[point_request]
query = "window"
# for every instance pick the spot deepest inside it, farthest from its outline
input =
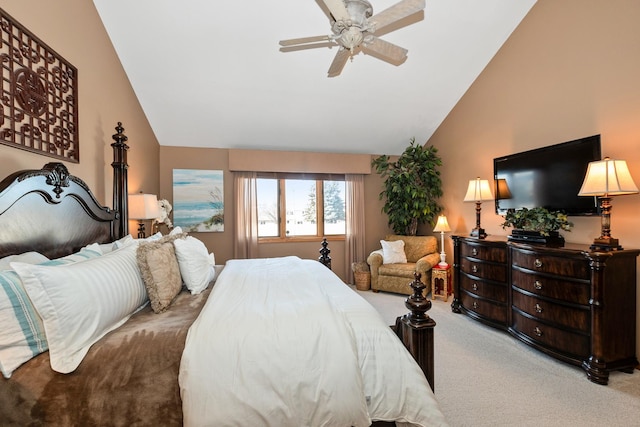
(297, 208)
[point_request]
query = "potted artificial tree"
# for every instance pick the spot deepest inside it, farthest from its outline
(412, 187)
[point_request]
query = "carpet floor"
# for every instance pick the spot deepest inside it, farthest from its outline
(485, 377)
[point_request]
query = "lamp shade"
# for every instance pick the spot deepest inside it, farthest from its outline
(442, 225)
(143, 206)
(478, 191)
(502, 189)
(608, 178)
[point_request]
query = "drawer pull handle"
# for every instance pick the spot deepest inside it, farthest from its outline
(537, 331)
(475, 286)
(537, 263)
(474, 251)
(538, 308)
(475, 304)
(474, 268)
(537, 285)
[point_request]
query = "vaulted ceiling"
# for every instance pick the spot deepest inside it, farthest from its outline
(210, 73)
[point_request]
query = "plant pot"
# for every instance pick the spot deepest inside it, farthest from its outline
(527, 236)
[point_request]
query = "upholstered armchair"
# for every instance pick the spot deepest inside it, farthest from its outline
(421, 255)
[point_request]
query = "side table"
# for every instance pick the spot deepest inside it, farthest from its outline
(441, 282)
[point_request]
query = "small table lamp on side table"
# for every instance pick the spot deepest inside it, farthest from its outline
(143, 207)
(441, 273)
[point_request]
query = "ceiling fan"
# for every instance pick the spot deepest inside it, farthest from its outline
(355, 29)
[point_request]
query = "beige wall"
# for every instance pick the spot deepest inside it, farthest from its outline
(222, 243)
(571, 69)
(74, 30)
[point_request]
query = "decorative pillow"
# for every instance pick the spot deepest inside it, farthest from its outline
(160, 273)
(123, 241)
(28, 257)
(129, 239)
(88, 252)
(393, 252)
(196, 264)
(81, 302)
(22, 334)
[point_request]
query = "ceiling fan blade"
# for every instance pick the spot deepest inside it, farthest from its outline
(338, 9)
(325, 10)
(339, 62)
(304, 40)
(395, 13)
(385, 51)
(308, 46)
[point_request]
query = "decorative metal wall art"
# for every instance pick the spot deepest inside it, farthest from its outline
(39, 95)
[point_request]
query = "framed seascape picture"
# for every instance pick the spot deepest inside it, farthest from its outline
(198, 200)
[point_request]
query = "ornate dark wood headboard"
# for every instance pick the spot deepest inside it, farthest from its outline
(55, 213)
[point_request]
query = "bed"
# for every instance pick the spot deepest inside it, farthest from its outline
(258, 347)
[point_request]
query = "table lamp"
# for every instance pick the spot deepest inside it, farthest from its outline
(442, 226)
(606, 178)
(478, 192)
(143, 207)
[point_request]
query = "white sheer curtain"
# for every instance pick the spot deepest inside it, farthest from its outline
(246, 199)
(354, 240)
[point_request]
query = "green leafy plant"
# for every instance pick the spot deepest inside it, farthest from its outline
(412, 187)
(537, 219)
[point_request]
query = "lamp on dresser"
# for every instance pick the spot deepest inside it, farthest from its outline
(606, 178)
(143, 207)
(478, 191)
(442, 226)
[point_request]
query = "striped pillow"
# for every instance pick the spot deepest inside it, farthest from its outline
(81, 302)
(22, 334)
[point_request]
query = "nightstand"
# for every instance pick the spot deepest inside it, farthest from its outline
(441, 282)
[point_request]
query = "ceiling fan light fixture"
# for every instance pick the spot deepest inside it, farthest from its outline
(351, 38)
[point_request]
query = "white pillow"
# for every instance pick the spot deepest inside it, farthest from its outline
(123, 241)
(393, 252)
(88, 252)
(128, 239)
(196, 263)
(79, 303)
(22, 333)
(28, 257)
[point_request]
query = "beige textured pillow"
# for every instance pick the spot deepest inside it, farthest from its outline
(160, 272)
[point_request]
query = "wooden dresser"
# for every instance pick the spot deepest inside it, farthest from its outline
(573, 304)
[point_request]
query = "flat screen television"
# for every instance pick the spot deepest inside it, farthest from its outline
(548, 177)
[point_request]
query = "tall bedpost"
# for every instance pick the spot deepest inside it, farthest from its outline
(120, 179)
(415, 329)
(324, 257)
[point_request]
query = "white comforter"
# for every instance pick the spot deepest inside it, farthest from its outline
(284, 342)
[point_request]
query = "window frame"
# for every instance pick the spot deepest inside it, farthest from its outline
(281, 194)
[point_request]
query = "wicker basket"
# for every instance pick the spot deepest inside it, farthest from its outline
(363, 280)
(361, 276)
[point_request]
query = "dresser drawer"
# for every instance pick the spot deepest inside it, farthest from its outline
(577, 292)
(494, 291)
(569, 317)
(487, 309)
(566, 342)
(497, 272)
(556, 265)
(487, 253)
